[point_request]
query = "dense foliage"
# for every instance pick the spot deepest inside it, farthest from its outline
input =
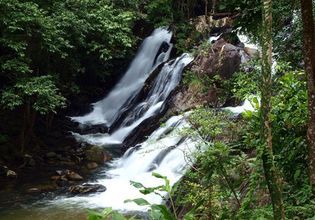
(52, 53)
(229, 171)
(47, 48)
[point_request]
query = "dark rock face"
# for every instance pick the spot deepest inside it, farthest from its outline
(87, 188)
(65, 177)
(92, 129)
(222, 58)
(97, 154)
(91, 165)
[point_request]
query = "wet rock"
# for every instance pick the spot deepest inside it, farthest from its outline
(61, 172)
(67, 163)
(3, 170)
(87, 188)
(218, 62)
(33, 190)
(222, 58)
(74, 176)
(29, 161)
(62, 182)
(11, 174)
(59, 157)
(251, 51)
(94, 129)
(97, 154)
(55, 177)
(91, 165)
(51, 155)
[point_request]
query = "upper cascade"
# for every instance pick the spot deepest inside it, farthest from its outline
(154, 50)
(167, 80)
(122, 105)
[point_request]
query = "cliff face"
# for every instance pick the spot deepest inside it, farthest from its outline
(212, 68)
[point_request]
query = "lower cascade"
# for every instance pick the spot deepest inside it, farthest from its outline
(166, 151)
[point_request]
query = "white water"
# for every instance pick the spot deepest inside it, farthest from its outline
(164, 152)
(247, 106)
(167, 80)
(108, 109)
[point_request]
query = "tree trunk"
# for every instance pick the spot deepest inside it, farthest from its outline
(214, 5)
(206, 8)
(309, 59)
(23, 129)
(270, 170)
(27, 131)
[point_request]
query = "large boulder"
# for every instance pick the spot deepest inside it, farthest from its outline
(215, 64)
(97, 154)
(87, 188)
(74, 176)
(91, 165)
(222, 58)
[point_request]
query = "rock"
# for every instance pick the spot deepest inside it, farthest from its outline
(59, 157)
(3, 170)
(74, 176)
(251, 51)
(62, 182)
(87, 188)
(32, 163)
(11, 174)
(33, 190)
(222, 58)
(51, 154)
(67, 163)
(61, 172)
(92, 165)
(97, 154)
(218, 63)
(55, 177)
(94, 129)
(29, 161)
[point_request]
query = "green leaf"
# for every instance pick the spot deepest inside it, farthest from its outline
(93, 215)
(167, 215)
(136, 184)
(139, 201)
(190, 215)
(117, 216)
(157, 175)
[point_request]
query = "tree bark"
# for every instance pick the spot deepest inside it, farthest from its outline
(309, 60)
(270, 169)
(23, 129)
(27, 130)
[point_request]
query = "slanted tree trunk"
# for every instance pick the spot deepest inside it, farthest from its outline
(309, 60)
(270, 169)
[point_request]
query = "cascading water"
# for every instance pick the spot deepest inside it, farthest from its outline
(168, 78)
(164, 152)
(148, 57)
(167, 151)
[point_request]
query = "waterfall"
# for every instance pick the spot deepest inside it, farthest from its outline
(121, 100)
(168, 78)
(154, 50)
(165, 151)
